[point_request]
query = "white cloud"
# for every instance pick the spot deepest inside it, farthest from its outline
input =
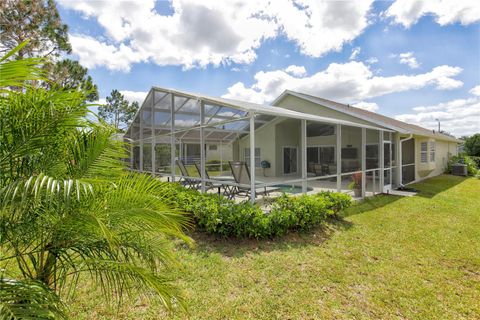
(408, 59)
(298, 71)
(408, 12)
(349, 83)
(93, 53)
(475, 90)
(355, 53)
(371, 60)
(209, 32)
(133, 96)
(459, 117)
(369, 106)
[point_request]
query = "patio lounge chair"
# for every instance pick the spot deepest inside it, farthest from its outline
(185, 181)
(208, 185)
(241, 174)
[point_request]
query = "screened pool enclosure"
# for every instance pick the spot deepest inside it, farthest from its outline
(282, 149)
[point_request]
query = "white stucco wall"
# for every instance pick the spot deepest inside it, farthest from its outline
(444, 150)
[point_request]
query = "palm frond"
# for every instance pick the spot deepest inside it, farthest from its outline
(93, 153)
(14, 73)
(28, 299)
(33, 129)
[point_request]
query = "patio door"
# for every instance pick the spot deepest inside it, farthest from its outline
(289, 160)
(387, 163)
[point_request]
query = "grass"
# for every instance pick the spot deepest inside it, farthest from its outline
(389, 258)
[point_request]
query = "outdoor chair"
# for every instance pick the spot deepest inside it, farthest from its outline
(241, 174)
(185, 180)
(208, 185)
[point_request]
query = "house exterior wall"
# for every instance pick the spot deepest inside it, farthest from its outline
(224, 152)
(444, 150)
(265, 138)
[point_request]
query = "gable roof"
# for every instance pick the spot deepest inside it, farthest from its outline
(372, 117)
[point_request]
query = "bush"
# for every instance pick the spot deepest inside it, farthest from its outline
(476, 160)
(217, 215)
(472, 167)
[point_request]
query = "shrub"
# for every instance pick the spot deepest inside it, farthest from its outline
(217, 215)
(462, 158)
(476, 160)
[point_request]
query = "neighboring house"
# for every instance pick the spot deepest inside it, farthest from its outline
(336, 140)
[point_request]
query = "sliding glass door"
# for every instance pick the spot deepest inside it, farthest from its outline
(290, 156)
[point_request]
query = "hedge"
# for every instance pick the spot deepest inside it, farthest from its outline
(220, 216)
(472, 167)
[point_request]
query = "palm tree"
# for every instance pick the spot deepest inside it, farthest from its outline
(68, 207)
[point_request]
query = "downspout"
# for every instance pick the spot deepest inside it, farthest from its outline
(400, 157)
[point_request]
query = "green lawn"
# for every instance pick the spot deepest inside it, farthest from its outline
(390, 258)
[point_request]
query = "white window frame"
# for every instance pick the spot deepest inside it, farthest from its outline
(424, 152)
(246, 153)
(432, 149)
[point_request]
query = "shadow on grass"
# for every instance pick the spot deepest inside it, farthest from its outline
(234, 247)
(433, 186)
(370, 203)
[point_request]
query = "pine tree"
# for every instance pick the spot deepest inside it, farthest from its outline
(39, 22)
(118, 111)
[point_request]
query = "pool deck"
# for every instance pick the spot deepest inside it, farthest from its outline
(314, 186)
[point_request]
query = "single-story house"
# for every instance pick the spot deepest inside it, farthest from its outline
(300, 140)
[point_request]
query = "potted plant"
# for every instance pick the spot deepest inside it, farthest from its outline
(356, 184)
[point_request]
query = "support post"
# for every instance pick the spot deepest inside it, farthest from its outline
(339, 157)
(221, 157)
(382, 161)
(303, 148)
(390, 160)
(202, 145)
(172, 137)
(399, 161)
(364, 161)
(252, 157)
(152, 135)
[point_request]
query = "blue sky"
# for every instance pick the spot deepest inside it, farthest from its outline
(416, 61)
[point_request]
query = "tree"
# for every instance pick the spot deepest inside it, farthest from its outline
(69, 208)
(69, 74)
(37, 21)
(472, 145)
(118, 111)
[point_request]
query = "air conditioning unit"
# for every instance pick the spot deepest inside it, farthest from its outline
(459, 169)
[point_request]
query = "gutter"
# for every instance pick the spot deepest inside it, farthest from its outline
(400, 157)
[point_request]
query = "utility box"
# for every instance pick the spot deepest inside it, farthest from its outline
(459, 169)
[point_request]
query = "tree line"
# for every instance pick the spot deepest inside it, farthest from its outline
(40, 23)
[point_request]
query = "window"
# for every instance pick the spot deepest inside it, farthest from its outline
(327, 155)
(424, 152)
(212, 147)
(257, 157)
(432, 151)
(320, 155)
(317, 130)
